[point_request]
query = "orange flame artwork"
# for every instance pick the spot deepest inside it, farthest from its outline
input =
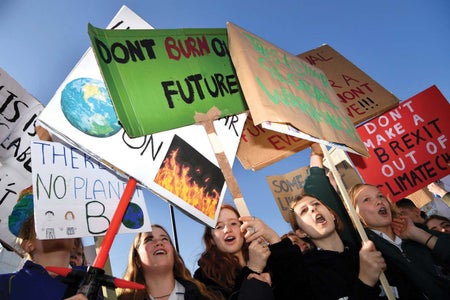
(189, 175)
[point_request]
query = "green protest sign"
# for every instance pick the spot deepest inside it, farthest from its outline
(159, 79)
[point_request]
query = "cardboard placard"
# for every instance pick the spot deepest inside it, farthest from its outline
(286, 187)
(345, 168)
(360, 95)
(421, 197)
(286, 94)
(260, 147)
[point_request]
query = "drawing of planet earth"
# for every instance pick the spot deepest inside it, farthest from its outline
(134, 216)
(86, 104)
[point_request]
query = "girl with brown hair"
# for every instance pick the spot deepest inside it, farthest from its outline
(231, 267)
(154, 262)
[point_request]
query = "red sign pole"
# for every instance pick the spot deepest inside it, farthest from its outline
(102, 255)
(94, 278)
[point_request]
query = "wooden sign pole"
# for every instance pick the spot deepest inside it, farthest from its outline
(207, 121)
(354, 216)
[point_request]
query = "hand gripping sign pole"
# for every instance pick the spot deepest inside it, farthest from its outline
(207, 121)
(354, 216)
(95, 277)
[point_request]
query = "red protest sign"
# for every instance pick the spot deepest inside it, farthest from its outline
(408, 145)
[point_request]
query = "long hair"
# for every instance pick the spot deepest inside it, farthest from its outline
(134, 271)
(78, 245)
(293, 219)
(217, 265)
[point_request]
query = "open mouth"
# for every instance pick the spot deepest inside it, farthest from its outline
(160, 252)
(320, 219)
(229, 238)
(383, 211)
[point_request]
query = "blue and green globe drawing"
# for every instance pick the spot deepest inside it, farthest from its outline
(86, 104)
(134, 216)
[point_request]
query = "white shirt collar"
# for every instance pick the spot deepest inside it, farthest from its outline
(397, 242)
(177, 292)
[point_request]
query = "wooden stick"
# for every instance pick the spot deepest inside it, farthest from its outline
(354, 216)
(207, 121)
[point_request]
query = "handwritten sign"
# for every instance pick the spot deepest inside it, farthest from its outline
(360, 95)
(286, 94)
(145, 157)
(286, 187)
(159, 79)
(260, 147)
(408, 145)
(76, 196)
(18, 115)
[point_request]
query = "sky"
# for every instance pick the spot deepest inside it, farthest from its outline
(404, 45)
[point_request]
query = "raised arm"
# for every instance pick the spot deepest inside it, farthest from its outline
(318, 184)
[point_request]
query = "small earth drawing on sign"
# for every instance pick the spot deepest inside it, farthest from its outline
(134, 216)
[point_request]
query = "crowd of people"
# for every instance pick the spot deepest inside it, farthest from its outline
(321, 257)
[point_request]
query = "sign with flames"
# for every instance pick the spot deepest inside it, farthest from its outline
(145, 158)
(187, 174)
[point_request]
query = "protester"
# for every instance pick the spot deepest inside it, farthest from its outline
(437, 189)
(154, 262)
(422, 257)
(406, 207)
(331, 270)
(296, 240)
(318, 184)
(77, 257)
(33, 281)
(231, 267)
(336, 267)
(438, 223)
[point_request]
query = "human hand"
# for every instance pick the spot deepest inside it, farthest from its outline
(264, 277)
(371, 264)
(255, 228)
(316, 149)
(403, 227)
(258, 252)
(43, 134)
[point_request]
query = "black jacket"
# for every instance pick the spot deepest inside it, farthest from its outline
(417, 265)
(191, 291)
(318, 184)
(244, 289)
(317, 274)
